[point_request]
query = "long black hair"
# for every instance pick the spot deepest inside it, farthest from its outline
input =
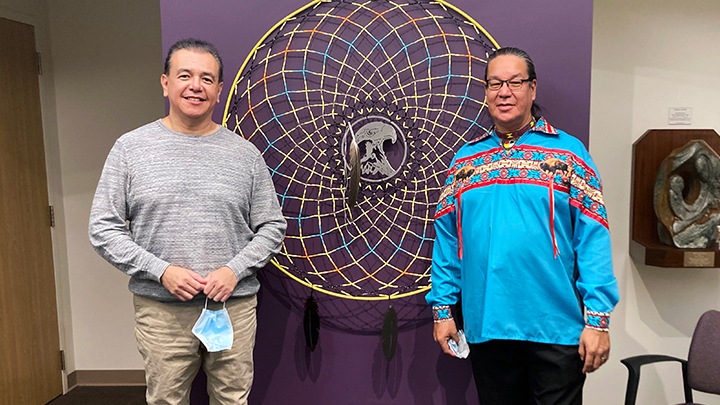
(535, 110)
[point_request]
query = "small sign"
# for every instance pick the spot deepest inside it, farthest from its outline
(699, 259)
(680, 116)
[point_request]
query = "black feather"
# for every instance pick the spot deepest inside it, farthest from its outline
(311, 323)
(390, 333)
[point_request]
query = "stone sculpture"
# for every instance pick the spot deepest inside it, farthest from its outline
(687, 196)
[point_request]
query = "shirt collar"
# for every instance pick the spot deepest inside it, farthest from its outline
(540, 126)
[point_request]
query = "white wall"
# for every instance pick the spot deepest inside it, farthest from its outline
(107, 59)
(648, 56)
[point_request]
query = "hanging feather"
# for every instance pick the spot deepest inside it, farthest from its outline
(390, 333)
(311, 323)
(353, 187)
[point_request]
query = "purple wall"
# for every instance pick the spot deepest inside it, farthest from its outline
(349, 367)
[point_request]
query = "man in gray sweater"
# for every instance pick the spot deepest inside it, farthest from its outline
(188, 209)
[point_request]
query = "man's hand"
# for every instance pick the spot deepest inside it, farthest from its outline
(181, 282)
(220, 284)
(444, 331)
(594, 349)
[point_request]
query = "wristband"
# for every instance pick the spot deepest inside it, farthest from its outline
(441, 313)
(598, 321)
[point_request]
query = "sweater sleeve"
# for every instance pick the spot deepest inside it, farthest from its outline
(108, 231)
(445, 273)
(591, 241)
(266, 222)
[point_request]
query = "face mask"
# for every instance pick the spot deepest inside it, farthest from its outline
(214, 329)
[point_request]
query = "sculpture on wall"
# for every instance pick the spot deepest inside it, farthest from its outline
(687, 196)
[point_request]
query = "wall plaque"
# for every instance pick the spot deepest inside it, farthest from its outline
(699, 259)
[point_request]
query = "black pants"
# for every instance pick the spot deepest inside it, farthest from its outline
(511, 372)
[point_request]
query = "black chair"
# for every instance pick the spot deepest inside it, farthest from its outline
(701, 371)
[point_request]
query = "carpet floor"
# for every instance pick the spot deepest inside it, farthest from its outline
(102, 396)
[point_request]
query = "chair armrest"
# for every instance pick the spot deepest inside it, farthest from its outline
(634, 364)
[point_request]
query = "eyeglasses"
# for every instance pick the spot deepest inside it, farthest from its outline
(513, 84)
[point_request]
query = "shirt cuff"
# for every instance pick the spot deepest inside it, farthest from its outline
(598, 321)
(441, 313)
(157, 268)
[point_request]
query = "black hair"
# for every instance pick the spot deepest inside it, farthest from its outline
(192, 43)
(535, 109)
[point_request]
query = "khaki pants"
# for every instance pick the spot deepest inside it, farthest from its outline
(173, 355)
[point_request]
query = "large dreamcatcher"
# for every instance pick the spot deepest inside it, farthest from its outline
(400, 83)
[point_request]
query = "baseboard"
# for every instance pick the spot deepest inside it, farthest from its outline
(105, 377)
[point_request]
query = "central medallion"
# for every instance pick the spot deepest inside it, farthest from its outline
(382, 147)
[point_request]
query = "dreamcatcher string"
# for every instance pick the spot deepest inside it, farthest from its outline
(404, 79)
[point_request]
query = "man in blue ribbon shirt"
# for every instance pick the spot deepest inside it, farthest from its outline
(523, 240)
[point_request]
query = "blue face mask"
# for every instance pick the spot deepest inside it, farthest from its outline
(214, 329)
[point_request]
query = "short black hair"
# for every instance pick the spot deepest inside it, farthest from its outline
(192, 43)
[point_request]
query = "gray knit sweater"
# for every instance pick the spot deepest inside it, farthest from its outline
(198, 202)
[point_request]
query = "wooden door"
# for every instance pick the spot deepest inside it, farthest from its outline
(29, 342)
